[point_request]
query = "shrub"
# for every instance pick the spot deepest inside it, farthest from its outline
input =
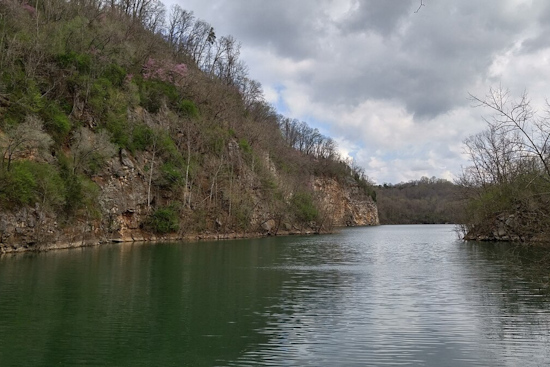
(164, 220)
(79, 191)
(117, 126)
(34, 101)
(49, 185)
(57, 123)
(73, 192)
(304, 208)
(153, 94)
(171, 175)
(216, 139)
(99, 94)
(188, 109)
(245, 147)
(167, 147)
(115, 73)
(18, 186)
(30, 182)
(141, 138)
(80, 62)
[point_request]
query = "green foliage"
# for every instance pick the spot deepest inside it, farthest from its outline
(115, 73)
(90, 194)
(154, 93)
(99, 95)
(141, 139)
(81, 62)
(164, 220)
(216, 139)
(171, 175)
(268, 182)
(73, 192)
(30, 182)
(117, 126)
(244, 146)
(366, 188)
(188, 109)
(57, 123)
(303, 207)
(71, 35)
(35, 102)
(167, 147)
(49, 184)
(80, 192)
(94, 163)
(497, 199)
(18, 186)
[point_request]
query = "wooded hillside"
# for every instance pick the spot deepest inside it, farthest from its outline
(426, 201)
(84, 84)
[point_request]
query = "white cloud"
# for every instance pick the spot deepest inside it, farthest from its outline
(390, 86)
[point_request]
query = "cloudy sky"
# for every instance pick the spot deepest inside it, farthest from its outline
(389, 85)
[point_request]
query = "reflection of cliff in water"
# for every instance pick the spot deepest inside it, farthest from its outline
(136, 305)
(386, 295)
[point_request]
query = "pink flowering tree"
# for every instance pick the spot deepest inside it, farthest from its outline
(31, 10)
(164, 70)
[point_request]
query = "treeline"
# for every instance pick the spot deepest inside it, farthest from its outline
(84, 81)
(425, 201)
(307, 140)
(508, 184)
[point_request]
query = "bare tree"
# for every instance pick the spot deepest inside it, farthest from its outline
(508, 184)
(180, 24)
(517, 121)
(23, 139)
(90, 147)
(494, 156)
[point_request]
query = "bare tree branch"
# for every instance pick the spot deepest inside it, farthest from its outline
(421, 5)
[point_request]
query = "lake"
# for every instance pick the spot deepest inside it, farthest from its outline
(373, 296)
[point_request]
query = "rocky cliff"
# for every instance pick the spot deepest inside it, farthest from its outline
(123, 199)
(345, 204)
(517, 227)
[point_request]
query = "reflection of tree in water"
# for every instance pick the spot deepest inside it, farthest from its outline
(525, 265)
(511, 284)
(132, 305)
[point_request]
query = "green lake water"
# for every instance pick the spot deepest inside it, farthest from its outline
(375, 296)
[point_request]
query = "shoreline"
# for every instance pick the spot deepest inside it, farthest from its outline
(152, 239)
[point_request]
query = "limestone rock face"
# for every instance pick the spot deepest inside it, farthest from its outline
(344, 204)
(124, 198)
(37, 229)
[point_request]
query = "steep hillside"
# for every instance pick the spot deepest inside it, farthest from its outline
(118, 123)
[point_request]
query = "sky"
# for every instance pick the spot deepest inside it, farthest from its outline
(390, 85)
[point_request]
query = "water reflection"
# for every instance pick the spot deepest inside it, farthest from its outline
(402, 298)
(399, 295)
